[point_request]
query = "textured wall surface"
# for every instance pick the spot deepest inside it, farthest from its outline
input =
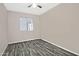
(61, 26)
(15, 35)
(3, 29)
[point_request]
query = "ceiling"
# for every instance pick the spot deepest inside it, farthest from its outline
(23, 7)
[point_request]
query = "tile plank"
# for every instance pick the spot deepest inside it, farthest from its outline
(37, 47)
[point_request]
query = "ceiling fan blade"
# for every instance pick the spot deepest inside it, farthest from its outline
(39, 6)
(30, 5)
(36, 5)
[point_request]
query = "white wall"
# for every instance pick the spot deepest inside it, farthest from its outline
(3, 29)
(15, 35)
(61, 26)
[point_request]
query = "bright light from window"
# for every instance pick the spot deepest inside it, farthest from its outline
(26, 24)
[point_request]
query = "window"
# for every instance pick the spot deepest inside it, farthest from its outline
(26, 24)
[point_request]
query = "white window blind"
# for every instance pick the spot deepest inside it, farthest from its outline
(26, 24)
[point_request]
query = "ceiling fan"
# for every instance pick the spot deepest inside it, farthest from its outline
(34, 5)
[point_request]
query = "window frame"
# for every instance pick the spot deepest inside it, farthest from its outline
(25, 27)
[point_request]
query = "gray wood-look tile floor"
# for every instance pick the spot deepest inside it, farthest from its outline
(37, 47)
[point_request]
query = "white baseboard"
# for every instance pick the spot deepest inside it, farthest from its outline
(22, 40)
(3, 51)
(46, 41)
(61, 47)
